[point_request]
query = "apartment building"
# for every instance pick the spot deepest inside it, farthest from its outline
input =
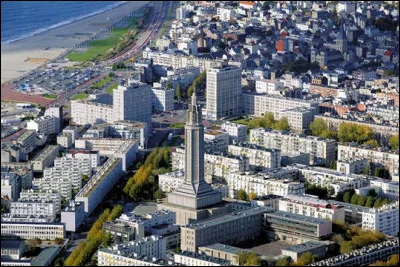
(163, 99)
(259, 157)
(385, 188)
(24, 208)
(328, 177)
(149, 246)
(377, 157)
(71, 173)
(223, 92)
(384, 219)
(168, 182)
(73, 215)
(188, 258)
(237, 132)
(228, 229)
(269, 87)
(259, 104)
(296, 228)
(84, 164)
(216, 166)
(64, 140)
(352, 213)
(42, 231)
(28, 141)
(45, 125)
(42, 196)
(312, 207)
(322, 151)
(94, 191)
(299, 118)
(45, 158)
(57, 112)
(215, 141)
(352, 166)
(54, 180)
(92, 156)
(264, 184)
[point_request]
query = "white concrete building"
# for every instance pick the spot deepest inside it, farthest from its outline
(264, 184)
(44, 124)
(64, 140)
(299, 118)
(55, 181)
(163, 99)
(42, 196)
(33, 209)
(83, 164)
(187, 258)
(57, 112)
(225, 14)
(73, 215)
(328, 177)
(384, 219)
(259, 157)
(259, 104)
(270, 87)
(312, 207)
(92, 156)
(322, 151)
(388, 189)
(45, 158)
(377, 157)
(33, 230)
(355, 166)
(237, 132)
(168, 182)
(223, 92)
(215, 141)
(72, 173)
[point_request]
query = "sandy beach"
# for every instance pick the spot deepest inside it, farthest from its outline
(50, 44)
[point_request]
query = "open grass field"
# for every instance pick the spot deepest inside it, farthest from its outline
(101, 83)
(111, 88)
(79, 96)
(50, 96)
(99, 47)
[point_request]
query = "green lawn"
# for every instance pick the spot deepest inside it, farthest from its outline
(79, 96)
(101, 83)
(99, 47)
(242, 121)
(178, 125)
(111, 88)
(50, 96)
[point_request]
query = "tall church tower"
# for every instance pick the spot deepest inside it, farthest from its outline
(194, 193)
(341, 40)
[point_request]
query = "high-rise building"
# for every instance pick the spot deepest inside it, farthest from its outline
(133, 102)
(194, 196)
(223, 92)
(57, 112)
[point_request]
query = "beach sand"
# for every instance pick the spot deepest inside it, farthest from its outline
(14, 56)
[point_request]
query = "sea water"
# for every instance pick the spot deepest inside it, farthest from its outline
(23, 19)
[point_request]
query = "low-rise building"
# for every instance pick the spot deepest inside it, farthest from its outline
(13, 249)
(42, 231)
(215, 141)
(296, 228)
(224, 252)
(45, 125)
(317, 248)
(228, 229)
(33, 209)
(64, 140)
(385, 188)
(188, 258)
(349, 166)
(312, 207)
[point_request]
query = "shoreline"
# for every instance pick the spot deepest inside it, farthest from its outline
(50, 44)
(63, 23)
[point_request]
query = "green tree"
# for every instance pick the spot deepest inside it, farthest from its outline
(282, 124)
(370, 202)
(361, 201)
(283, 262)
(366, 170)
(178, 92)
(59, 241)
(249, 259)
(58, 262)
(242, 195)
(331, 190)
(354, 199)
(190, 91)
(318, 126)
(394, 142)
(168, 85)
(371, 142)
(346, 197)
(378, 203)
(111, 74)
(107, 241)
(159, 194)
(333, 165)
(305, 259)
(269, 120)
(385, 201)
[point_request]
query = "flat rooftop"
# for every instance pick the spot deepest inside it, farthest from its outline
(296, 217)
(305, 246)
(224, 248)
(45, 152)
(226, 218)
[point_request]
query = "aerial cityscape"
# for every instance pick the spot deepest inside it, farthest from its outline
(200, 133)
